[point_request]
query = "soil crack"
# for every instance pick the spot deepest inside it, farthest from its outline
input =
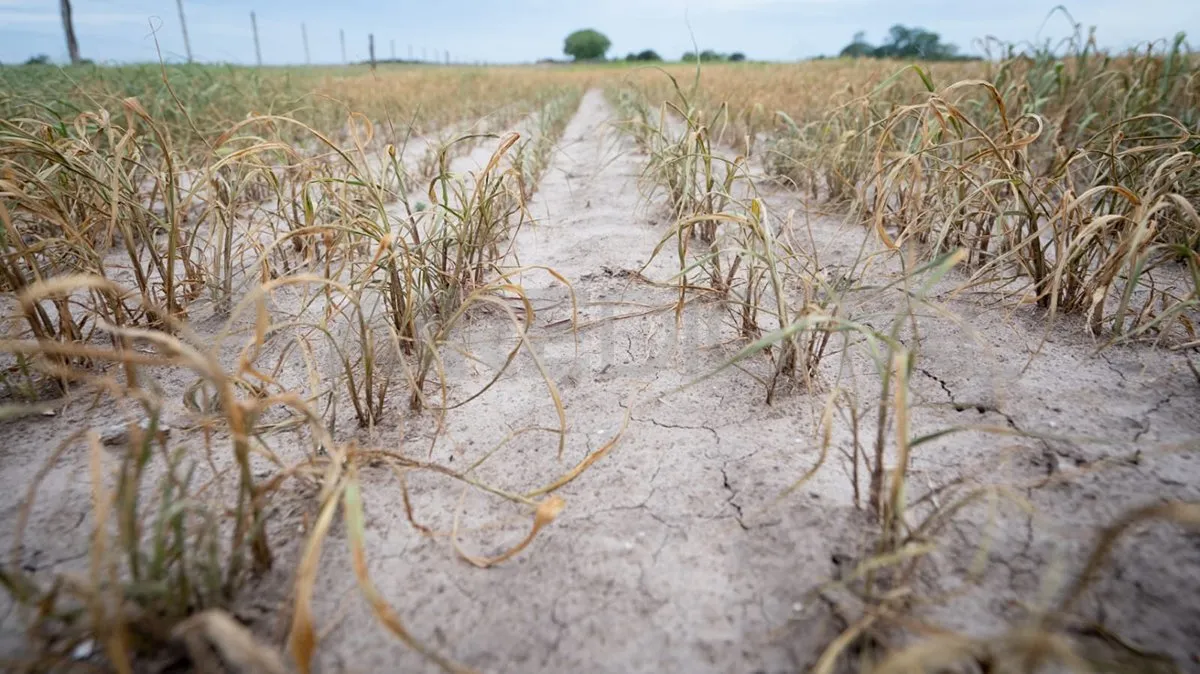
(958, 407)
(1116, 370)
(1144, 424)
(1049, 455)
(679, 427)
(941, 382)
(731, 501)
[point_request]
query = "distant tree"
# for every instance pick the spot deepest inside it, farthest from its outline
(709, 56)
(586, 45)
(69, 29)
(737, 56)
(631, 56)
(859, 47)
(904, 42)
(39, 60)
(649, 55)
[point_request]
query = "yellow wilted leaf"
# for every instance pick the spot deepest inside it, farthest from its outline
(586, 463)
(235, 643)
(546, 513)
(505, 145)
(355, 532)
(302, 640)
(942, 652)
(262, 320)
(133, 105)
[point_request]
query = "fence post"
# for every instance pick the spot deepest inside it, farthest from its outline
(342, 35)
(304, 36)
(187, 44)
(69, 29)
(371, 48)
(257, 48)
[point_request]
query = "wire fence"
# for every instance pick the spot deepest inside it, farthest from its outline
(426, 55)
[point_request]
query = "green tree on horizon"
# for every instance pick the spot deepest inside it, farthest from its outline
(586, 45)
(710, 56)
(904, 42)
(646, 55)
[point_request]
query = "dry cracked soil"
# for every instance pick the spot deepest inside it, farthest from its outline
(675, 552)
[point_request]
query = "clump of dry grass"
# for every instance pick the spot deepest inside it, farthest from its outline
(164, 543)
(779, 299)
(1068, 175)
(1087, 226)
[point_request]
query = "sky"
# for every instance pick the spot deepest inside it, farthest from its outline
(525, 30)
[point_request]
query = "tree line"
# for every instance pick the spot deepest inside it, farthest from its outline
(592, 45)
(903, 42)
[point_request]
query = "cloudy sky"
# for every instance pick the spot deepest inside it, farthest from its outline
(525, 30)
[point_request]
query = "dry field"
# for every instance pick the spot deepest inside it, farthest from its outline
(840, 366)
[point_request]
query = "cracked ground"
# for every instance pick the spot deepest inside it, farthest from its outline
(690, 546)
